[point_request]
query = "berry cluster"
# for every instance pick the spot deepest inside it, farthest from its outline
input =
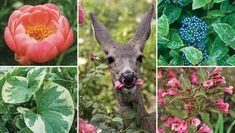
(193, 31)
(177, 2)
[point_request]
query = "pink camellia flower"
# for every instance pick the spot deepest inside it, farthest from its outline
(205, 129)
(217, 69)
(82, 14)
(85, 127)
(209, 83)
(229, 90)
(194, 79)
(174, 83)
(159, 130)
(38, 33)
(195, 122)
(223, 107)
(188, 106)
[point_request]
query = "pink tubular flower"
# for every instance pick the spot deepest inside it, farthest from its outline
(160, 99)
(159, 130)
(180, 127)
(194, 79)
(170, 120)
(188, 106)
(171, 74)
(217, 69)
(38, 33)
(82, 14)
(205, 129)
(229, 90)
(221, 81)
(223, 107)
(85, 127)
(209, 83)
(195, 122)
(174, 83)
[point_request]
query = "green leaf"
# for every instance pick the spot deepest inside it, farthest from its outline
(231, 127)
(219, 124)
(224, 31)
(192, 54)
(15, 90)
(129, 114)
(98, 118)
(55, 110)
(218, 50)
(117, 123)
(217, 1)
(25, 130)
(231, 61)
(20, 89)
(175, 42)
(226, 7)
(163, 26)
(199, 3)
(215, 13)
(177, 113)
(205, 118)
(172, 13)
(3, 129)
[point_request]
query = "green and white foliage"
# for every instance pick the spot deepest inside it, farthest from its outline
(41, 105)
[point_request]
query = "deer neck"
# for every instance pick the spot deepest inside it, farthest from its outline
(132, 100)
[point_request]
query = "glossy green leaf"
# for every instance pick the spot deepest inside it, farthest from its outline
(175, 42)
(224, 31)
(163, 26)
(200, 3)
(231, 61)
(192, 54)
(172, 12)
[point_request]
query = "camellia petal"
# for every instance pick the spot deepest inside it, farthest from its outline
(34, 39)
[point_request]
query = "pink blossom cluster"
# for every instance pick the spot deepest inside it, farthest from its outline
(181, 126)
(85, 127)
(120, 85)
(187, 89)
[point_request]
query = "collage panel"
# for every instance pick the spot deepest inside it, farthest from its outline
(196, 99)
(39, 32)
(116, 94)
(196, 32)
(38, 99)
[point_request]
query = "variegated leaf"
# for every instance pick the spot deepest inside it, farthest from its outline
(20, 89)
(55, 110)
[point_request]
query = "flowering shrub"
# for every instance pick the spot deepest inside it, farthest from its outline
(39, 100)
(196, 32)
(189, 97)
(29, 39)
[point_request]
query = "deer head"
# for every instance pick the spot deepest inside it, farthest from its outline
(124, 59)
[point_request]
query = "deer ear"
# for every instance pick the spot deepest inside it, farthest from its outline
(143, 32)
(101, 34)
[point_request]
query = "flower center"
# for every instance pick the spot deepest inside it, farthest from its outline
(39, 32)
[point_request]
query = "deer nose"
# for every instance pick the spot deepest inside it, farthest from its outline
(128, 77)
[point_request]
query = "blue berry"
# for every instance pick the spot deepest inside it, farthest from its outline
(193, 30)
(177, 2)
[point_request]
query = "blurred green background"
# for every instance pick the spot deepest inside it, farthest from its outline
(121, 18)
(69, 9)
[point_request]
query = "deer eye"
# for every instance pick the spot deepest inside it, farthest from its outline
(140, 58)
(110, 59)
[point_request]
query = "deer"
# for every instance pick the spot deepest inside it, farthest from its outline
(124, 61)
